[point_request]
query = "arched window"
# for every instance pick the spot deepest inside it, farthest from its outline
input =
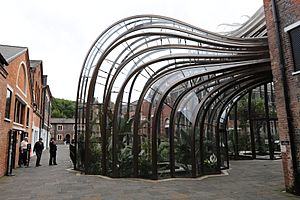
(22, 78)
(37, 95)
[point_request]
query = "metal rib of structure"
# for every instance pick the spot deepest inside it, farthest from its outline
(154, 92)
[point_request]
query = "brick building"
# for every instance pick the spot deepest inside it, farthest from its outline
(62, 129)
(3, 137)
(19, 111)
(42, 102)
(283, 26)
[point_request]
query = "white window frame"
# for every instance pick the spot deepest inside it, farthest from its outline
(62, 127)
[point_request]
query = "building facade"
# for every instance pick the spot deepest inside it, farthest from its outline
(62, 130)
(42, 103)
(3, 137)
(19, 114)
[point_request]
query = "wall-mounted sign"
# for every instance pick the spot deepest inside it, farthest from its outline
(285, 142)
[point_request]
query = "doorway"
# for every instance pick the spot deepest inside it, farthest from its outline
(11, 152)
(68, 139)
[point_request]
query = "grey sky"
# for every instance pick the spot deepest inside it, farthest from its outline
(60, 32)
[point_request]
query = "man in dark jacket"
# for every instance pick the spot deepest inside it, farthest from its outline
(38, 149)
(53, 149)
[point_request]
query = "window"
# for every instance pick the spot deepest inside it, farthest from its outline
(19, 111)
(59, 137)
(59, 127)
(8, 103)
(294, 33)
(27, 116)
(46, 103)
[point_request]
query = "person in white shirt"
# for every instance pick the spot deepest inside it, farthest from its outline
(24, 151)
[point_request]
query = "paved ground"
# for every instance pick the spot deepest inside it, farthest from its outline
(246, 180)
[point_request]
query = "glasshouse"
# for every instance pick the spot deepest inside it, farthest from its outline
(159, 98)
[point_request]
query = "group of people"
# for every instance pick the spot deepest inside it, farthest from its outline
(38, 149)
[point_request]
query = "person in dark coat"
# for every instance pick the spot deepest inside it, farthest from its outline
(53, 149)
(38, 149)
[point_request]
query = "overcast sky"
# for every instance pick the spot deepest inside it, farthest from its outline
(60, 32)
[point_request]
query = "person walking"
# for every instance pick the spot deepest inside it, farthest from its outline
(53, 149)
(38, 149)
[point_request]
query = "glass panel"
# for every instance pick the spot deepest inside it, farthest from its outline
(244, 143)
(223, 150)
(145, 159)
(182, 146)
(108, 141)
(261, 139)
(125, 139)
(27, 116)
(94, 141)
(295, 42)
(8, 103)
(210, 151)
(275, 135)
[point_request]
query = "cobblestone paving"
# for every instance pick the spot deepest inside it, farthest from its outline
(259, 179)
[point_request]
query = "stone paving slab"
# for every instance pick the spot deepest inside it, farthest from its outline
(247, 180)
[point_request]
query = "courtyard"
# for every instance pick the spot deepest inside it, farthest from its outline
(246, 179)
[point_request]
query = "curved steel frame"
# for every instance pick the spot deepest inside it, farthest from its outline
(154, 57)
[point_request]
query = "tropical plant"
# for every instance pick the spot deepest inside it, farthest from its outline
(94, 164)
(163, 150)
(125, 161)
(183, 150)
(145, 165)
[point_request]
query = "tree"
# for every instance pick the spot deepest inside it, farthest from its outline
(62, 108)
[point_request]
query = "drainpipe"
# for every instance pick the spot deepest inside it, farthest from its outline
(40, 128)
(43, 113)
(296, 188)
(49, 115)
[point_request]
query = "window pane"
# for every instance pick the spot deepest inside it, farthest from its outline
(8, 102)
(59, 127)
(19, 112)
(295, 42)
(27, 117)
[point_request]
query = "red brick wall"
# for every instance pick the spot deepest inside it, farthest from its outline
(37, 84)
(165, 114)
(289, 13)
(5, 125)
(3, 136)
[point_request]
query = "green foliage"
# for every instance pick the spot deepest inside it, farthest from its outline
(94, 165)
(126, 161)
(62, 108)
(163, 150)
(145, 165)
(257, 108)
(183, 149)
(257, 111)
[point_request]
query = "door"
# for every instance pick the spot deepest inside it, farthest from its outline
(11, 151)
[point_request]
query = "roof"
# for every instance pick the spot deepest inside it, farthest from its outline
(62, 121)
(35, 63)
(11, 52)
